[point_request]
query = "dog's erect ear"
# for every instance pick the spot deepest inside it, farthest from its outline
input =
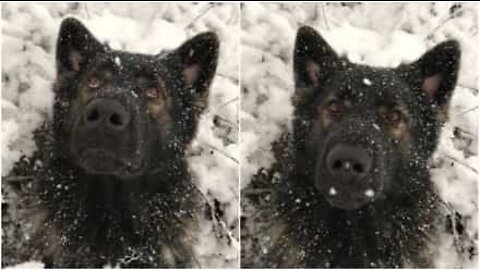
(76, 46)
(313, 58)
(436, 72)
(198, 58)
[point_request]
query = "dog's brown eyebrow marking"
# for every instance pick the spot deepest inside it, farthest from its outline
(323, 120)
(400, 132)
(145, 81)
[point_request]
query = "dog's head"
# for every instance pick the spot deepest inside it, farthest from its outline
(360, 127)
(118, 113)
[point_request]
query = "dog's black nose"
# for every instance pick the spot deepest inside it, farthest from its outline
(106, 113)
(348, 162)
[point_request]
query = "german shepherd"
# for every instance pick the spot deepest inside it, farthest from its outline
(114, 188)
(350, 187)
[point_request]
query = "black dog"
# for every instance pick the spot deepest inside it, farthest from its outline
(351, 186)
(114, 188)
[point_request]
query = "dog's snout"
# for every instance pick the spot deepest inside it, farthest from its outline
(345, 162)
(106, 113)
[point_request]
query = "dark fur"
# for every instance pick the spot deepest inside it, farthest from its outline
(303, 225)
(89, 215)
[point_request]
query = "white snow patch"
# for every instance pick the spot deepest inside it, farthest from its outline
(369, 193)
(28, 265)
(118, 62)
(367, 81)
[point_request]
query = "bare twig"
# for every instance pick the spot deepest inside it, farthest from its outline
(464, 131)
(152, 19)
(227, 77)
(469, 110)
(215, 217)
(18, 178)
(203, 11)
(213, 111)
(226, 121)
(222, 152)
(462, 163)
(85, 5)
(197, 262)
(255, 191)
(324, 15)
(473, 89)
(228, 102)
(442, 23)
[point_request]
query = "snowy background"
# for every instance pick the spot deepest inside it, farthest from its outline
(374, 34)
(29, 32)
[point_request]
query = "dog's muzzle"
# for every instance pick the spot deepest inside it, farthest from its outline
(346, 177)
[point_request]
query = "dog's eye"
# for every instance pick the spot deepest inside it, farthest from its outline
(392, 117)
(152, 92)
(94, 83)
(334, 106)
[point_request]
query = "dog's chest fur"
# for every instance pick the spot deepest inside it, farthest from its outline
(303, 230)
(81, 221)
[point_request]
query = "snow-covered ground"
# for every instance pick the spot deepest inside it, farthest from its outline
(29, 32)
(373, 34)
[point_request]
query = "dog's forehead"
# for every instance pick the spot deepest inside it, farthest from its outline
(128, 64)
(368, 85)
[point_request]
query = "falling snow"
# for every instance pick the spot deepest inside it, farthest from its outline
(117, 61)
(367, 81)
(369, 193)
